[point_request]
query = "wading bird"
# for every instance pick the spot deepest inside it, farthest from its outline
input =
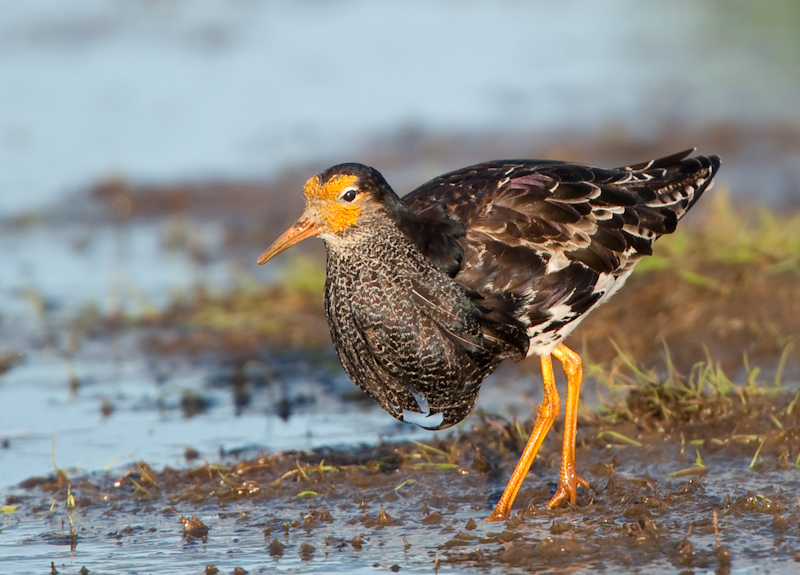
(427, 294)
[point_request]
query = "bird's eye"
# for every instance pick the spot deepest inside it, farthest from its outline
(349, 195)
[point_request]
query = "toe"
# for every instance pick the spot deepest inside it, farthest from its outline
(567, 490)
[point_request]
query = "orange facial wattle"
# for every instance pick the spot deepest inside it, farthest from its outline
(324, 199)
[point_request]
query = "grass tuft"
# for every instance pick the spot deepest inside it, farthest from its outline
(635, 393)
(728, 235)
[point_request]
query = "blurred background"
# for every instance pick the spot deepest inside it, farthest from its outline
(151, 149)
(168, 90)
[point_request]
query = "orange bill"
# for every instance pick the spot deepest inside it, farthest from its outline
(304, 228)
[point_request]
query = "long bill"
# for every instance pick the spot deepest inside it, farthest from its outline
(304, 228)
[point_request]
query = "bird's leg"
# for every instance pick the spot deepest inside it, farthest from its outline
(568, 480)
(545, 416)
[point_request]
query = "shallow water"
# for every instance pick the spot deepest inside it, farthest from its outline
(187, 89)
(634, 521)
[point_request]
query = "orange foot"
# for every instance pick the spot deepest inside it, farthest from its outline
(499, 514)
(567, 489)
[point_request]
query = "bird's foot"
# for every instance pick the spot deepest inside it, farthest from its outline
(567, 489)
(500, 513)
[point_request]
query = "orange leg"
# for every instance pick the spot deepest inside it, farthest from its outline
(568, 480)
(545, 416)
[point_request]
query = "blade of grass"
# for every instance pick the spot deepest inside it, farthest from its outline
(755, 457)
(782, 364)
(618, 436)
(430, 448)
(404, 483)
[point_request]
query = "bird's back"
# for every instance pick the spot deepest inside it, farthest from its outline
(544, 242)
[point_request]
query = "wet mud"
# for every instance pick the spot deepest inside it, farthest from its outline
(708, 492)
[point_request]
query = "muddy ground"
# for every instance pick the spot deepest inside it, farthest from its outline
(717, 489)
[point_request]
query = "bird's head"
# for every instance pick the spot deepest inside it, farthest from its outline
(336, 201)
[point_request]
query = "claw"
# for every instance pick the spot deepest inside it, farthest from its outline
(567, 490)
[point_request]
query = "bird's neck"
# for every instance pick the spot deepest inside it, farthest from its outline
(362, 237)
(396, 226)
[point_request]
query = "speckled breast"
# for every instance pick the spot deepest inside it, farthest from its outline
(392, 347)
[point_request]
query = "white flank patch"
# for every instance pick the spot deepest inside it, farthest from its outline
(544, 343)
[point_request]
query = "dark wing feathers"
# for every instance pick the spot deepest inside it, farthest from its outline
(574, 192)
(542, 202)
(596, 257)
(436, 236)
(484, 332)
(456, 328)
(609, 238)
(615, 196)
(665, 162)
(516, 216)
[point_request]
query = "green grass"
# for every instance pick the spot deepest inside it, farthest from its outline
(670, 396)
(290, 312)
(727, 235)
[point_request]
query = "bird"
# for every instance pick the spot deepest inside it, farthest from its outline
(427, 294)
